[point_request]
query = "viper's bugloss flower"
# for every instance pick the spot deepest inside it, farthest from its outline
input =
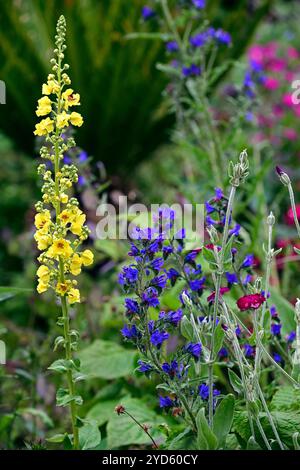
(248, 261)
(172, 46)
(147, 12)
(235, 230)
(276, 329)
(159, 281)
(172, 317)
(158, 337)
(291, 337)
(203, 391)
(200, 4)
(157, 264)
(60, 224)
(132, 307)
(277, 357)
(144, 366)
(194, 349)
(231, 278)
(222, 36)
(250, 302)
(129, 275)
(223, 353)
(171, 369)
(150, 297)
(197, 284)
(130, 332)
(166, 402)
(249, 350)
(191, 71)
(273, 311)
(173, 275)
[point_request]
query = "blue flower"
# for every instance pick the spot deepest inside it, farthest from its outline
(130, 332)
(157, 264)
(200, 4)
(166, 402)
(147, 12)
(170, 369)
(150, 297)
(277, 357)
(222, 37)
(131, 306)
(248, 261)
(203, 391)
(273, 311)
(249, 350)
(181, 234)
(159, 281)
(144, 366)
(197, 284)
(129, 275)
(291, 337)
(190, 257)
(223, 353)
(158, 337)
(231, 278)
(209, 208)
(198, 40)
(172, 317)
(81, 180)
(67, 160)
(173, 275)
(218, 194)
(83, 156)
(276, 329)
(194, 349)
(193, 70)
(247, 279)
(210, 221)
(235, 230)
(134, 251)
(172, 46)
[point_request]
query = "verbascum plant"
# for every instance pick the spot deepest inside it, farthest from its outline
(59, 222)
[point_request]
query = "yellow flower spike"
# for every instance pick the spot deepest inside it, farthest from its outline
(44, 127)
(60, 247)
(44, 106)
(70, 98)
(76, 119)
(87, 257)
(62, 120)
(73, 295)
(64, 198)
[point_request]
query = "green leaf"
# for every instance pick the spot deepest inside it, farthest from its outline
(296, 441)
(107, 360)
(38, 413)
(89, 436)
(63, 365)
(63, 398)
(9, 292)
(57, 438)
(252, 444)
(285, 310)
(286, 398)
(206, 439)
(102, 411)
(235, 381)
(223, 418)
(209, 256)
(187, 329)
(122, 431)
(183, 441)
(218, 338)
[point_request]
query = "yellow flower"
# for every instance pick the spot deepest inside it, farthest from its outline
(87, 257)
(60, 247)
(44, 274)
(75, 266)
(42, 221)
(76, 119)
(62, 288)
(42, 287)
(70, 98)
(77, 223)
(44, 106)
(50, 87)
(62, 120)
(64, 198)
(44, 127)
(73, 295)
(66, 216)
(43, 240)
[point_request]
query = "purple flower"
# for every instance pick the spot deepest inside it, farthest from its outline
(130, 332)
(249, 350)
(181, 234)
(157, 264)
(190, 257)
(167, 250)
(147, 12)
(203, 391)
(291, 337)
(81, 180)
(223, 353)
(158, 337)
(222, 36)
(172, 317)
(231, 278)
(200, 4)
(276, 329)
(129, 275)
(210, 221)
(247, 279)
(134, 251)
(166, 402)
(248, 261)
(197, 284)
(235, 230)
(170, 369)
(150, 297)
(199, 39)
(144, 367)
(192, 71)
(173, 275)
(273, 311)
(194, 349)
(172, 46)
(209, 208)
(131, 306)
(159, 281)
(238, 331)
(67, 160)
(277, 357)
(218, 194)
(83, 156)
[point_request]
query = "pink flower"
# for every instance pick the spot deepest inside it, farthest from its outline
(289, 218)
(256, 53)
(271, 83)
(292, 53)
(290, 134)
(276, 65)
(250, 302)
(287, 100)
(211, 297)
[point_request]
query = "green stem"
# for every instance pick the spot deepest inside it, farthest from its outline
(292, 198)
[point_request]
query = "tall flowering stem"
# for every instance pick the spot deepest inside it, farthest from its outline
(237, 174)
(59, 222)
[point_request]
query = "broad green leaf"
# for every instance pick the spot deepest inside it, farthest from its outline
(187, 329)
(89, 436)
(206, 439)
(107, 360)
(223, 418)
(102, 411)
(57, 438)
(252, 444)
(122, 431)
(183, 441)
(235, 381)
(63, 398)
(286, 398)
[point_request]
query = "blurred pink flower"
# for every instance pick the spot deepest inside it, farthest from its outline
(276, 65)
(271, 83)
(290, 134)
(287, 100)
(293, 53)
(289, 215)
